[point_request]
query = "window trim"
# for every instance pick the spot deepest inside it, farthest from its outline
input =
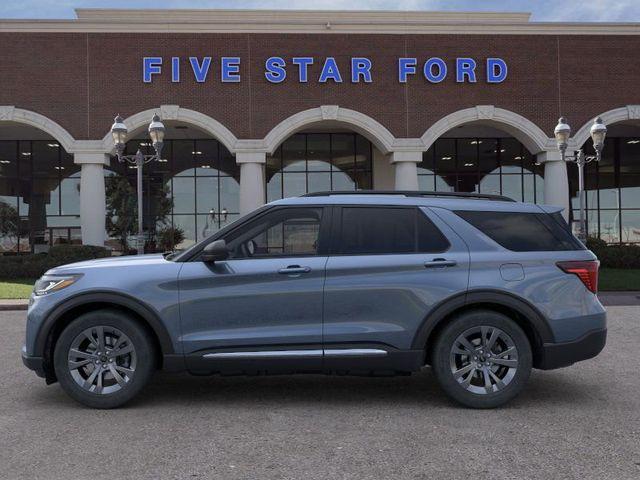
(336, 230)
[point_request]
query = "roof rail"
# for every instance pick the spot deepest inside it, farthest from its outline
(412, 193)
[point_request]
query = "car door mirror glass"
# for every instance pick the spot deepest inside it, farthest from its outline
(215, 251)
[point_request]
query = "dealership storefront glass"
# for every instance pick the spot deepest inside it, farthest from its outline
(500, 166)
(313, 162)
(199, 177)
(39, 196)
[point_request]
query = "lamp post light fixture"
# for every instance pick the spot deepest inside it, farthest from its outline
(562, 133)
(156, 132)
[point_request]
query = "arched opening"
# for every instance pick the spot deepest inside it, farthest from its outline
(39, 190)
(476, 157)
(190, 194)
(320, 158)
(612, 186)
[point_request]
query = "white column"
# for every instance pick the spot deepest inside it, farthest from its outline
(92, 197)
(406, 166)
(252, 187)
(556, 182)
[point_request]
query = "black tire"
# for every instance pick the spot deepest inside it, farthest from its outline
(143, 348)
(443, 361)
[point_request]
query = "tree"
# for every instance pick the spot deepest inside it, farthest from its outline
(9, 221)
(122, 209)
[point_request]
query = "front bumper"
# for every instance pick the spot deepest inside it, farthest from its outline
(33, 363)
(558, 355)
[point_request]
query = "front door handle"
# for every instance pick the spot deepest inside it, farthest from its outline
(294, 270)
(440, 263)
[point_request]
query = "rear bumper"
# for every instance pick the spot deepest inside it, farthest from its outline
(558, 355)
(33, 363)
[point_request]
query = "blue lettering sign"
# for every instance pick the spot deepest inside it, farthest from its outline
(303, 67)
(496, 70)
(406, 66)
(428, 70)
(230, 70)
(200, 71)
(275, 69)
(330, 71)
(360, 67)
(151, 66)
(175, 69)
(465, 67)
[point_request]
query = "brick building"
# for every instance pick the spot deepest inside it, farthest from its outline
(264, 104)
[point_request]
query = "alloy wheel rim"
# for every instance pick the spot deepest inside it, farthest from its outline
(484, 360)
(102, 360)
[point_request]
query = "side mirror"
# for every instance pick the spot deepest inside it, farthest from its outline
(215, 251)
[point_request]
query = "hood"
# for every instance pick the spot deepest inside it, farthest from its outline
(123, 261)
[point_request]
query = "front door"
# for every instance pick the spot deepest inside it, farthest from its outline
(263, 306)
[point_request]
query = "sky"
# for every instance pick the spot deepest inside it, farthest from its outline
(542, 10)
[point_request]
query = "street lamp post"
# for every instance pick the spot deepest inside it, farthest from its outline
(119, 133)
(562, 133)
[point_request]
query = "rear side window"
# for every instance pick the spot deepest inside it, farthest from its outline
(523, 232)
(378, 230)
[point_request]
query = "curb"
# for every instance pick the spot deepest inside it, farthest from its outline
(13, 305)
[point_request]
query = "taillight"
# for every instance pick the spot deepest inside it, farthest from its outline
(586, 271)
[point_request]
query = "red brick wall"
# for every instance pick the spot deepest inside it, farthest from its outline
(82, 80)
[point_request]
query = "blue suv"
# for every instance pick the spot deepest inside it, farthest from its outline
(479, 287)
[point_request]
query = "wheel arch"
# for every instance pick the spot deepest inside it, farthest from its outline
(529, 318)
(73, 307)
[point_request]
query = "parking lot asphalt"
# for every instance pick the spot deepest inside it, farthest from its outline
(579, 422)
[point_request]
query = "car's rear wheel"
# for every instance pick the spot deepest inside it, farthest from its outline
(104, 358)
(482, 359)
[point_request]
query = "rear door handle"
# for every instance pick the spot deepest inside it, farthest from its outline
(294, 270)
(440, 263)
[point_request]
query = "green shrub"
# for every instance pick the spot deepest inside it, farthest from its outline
(34, 265)
(615, 256)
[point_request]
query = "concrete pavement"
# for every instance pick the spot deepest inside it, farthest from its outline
(580, 422)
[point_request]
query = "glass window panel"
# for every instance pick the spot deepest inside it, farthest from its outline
(8, 191)
(67, 166)
(319, 182)
(70, 196)
(188, 225)
(183, 157)
(378, 230)
(488, 155)
(273, 164)
(363, 153)
(511, 155)
(274, 188)
(467, 183)
(228, 165)
(229, 194)
(45, 159)
(59, 236)
(467, 151)
(610, 226)
(343, 151)
(293, 153)
(343, 181)
(207, 226)
(294, 184)
(426, 166)
(206, 155)
(183, 195)
(44, 196)
(8, 159)
(608, 198)
(631, 226)
(364, 180)
(445, 184)
(24, 159)
(206, 195)
(490, 184)
(539, 189)
(426, 182)
(512, 186)
(445, 156)
(529, 188)
(629, 149)
(318, 152)
(630, 196)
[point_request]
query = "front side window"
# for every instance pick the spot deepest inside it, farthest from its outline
(380, 230)
(284, 232)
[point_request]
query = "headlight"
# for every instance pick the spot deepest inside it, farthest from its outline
(53, 283)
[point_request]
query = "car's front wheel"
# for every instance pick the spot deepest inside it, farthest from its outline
(482, 359)
(104, 358)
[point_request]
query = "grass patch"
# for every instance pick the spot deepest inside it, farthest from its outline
(13, 289)
(619, 279)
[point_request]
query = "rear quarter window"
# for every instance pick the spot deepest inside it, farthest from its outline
(523, 232)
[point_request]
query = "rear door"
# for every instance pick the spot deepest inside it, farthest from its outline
(389, 267)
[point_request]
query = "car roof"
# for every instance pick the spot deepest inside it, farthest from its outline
(422, 199)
